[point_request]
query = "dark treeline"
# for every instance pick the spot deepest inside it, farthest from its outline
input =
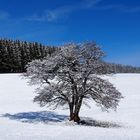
(14, 55)
(119, 68)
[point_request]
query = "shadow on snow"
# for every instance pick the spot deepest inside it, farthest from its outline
(48, 117)
(97, 123)
(32, 117)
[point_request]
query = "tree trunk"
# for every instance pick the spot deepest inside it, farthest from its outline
(74, 114)
(74, 117)
(71, 111)
(74, 111)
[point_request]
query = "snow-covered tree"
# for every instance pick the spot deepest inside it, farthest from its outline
(71, 76)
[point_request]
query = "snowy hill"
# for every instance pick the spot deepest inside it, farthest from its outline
(21, 119)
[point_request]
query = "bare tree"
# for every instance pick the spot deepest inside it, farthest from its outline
(72, 75)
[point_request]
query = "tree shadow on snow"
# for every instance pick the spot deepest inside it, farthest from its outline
(96, 123)
(48, 117)
(34, 117)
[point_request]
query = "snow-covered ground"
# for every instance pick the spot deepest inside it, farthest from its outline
(21, 119)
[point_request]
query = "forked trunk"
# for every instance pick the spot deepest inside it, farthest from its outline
(74, 111)
(74, 117)
(74, 114)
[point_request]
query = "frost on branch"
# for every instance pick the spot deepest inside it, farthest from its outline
(70, 76)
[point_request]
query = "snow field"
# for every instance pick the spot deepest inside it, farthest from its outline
(16, 97)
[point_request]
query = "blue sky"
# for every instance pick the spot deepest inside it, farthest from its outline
(114, 24)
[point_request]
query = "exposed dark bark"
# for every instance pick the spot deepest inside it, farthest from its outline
(74, 117)
(71, 111)
(75, 109)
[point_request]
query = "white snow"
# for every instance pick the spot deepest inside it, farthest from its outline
(21, 119)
